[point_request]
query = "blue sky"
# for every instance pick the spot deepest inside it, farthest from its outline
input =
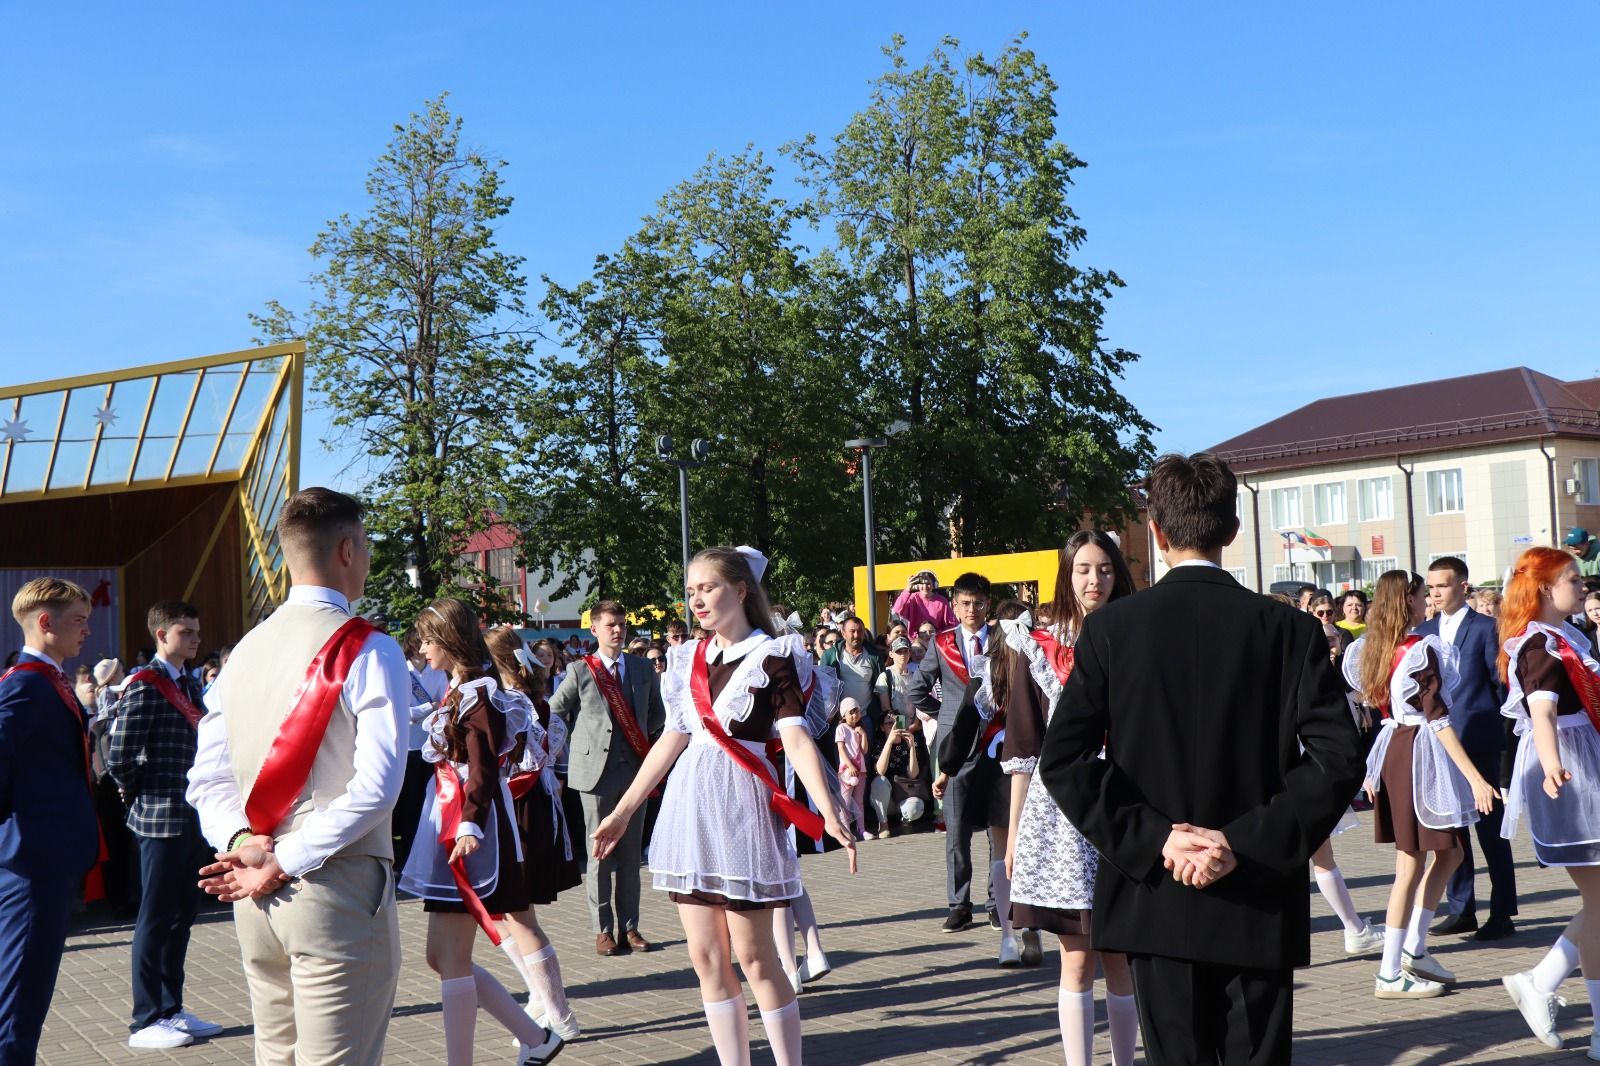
(1303, 199)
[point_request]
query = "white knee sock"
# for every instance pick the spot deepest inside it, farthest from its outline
(508, 944)
(1337, 893)
(458, 1004)
(1556, 966)
(729, 1023)
(1002, 894)
(1393, 941)
(783, 1033)
(544, 983)
(1075, 1011)
(783, 933)
(1594, 1001)
(1123, 1014)
(493, 997)
(805, 917)
(1417, 931)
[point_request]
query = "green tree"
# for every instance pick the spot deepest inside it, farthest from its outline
(416, 343)
(948, 198)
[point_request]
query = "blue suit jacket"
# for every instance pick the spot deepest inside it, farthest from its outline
(1479, 694)
(47, 818)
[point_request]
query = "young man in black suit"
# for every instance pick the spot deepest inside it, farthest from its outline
(1205, 807)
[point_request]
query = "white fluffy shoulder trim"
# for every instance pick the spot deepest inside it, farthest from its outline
(514, 706)
(734, 702)
(1404, 686)
(1542, 638)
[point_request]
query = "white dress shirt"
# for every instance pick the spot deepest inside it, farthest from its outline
(1450, 624)
(37, 654)
(965, 638)
(617, 667)
(377, 690)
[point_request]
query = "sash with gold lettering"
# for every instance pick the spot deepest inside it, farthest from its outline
(622, 715)
(287, 767)
(789, 809)
(158, 680)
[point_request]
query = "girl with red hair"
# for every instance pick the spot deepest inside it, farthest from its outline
(1421, 782)
(1554, 698)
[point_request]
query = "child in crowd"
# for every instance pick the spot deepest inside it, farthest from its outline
(852, 741)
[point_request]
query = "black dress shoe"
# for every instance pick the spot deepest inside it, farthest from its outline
(994, 919)
(959, 919)
(1496, 929)
(1456, 923)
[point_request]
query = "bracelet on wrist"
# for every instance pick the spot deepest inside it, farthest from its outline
(239, 837)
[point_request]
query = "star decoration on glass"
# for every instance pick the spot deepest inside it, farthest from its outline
(106, 417)
(14, 430)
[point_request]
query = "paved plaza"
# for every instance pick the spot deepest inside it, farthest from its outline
(901, 991)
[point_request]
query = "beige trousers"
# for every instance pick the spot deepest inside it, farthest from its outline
(321, 957)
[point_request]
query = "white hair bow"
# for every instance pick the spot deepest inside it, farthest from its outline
(757, 561)
(527, 660)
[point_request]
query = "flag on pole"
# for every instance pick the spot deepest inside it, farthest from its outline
(1314, 541)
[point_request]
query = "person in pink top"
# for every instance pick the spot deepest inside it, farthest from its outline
(852, 741)
(922, 602)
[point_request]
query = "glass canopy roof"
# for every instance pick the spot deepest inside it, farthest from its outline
(179, 423)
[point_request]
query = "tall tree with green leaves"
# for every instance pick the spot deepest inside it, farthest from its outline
(948, 198)
(416, 342)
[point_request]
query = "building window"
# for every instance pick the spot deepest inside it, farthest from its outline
(1330, 503)
(1376, 496)
(1444, 491)
(1436, 556)
(1588, 474)
(1373, 569)
(1286, 509)
(503, 566)
(1237, 573)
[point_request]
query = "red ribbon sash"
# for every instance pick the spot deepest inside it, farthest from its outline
(1059, 655)
(951, 653)
(170, 692)
(1587, 684)
(622, 715)
(801, 817)
(288, 763)
(1394, 664)
(447, 795)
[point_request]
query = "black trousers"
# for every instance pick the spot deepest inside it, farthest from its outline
(1197, 1012)
(408, 808)
(169, 872)
(1462, 889)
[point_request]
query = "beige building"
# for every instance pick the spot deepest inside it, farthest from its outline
(1478, 467)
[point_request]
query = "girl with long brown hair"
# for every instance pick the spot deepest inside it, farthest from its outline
(1422, 784)
(549, 863)
(466, 863)
(1553, 695)
(720, 847)
(1050, 866)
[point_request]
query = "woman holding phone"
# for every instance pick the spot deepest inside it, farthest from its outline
(903, 782)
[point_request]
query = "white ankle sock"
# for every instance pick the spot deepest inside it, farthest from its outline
(1556, 966)
(1002, 894)
(729, 1022)
(1123, 1014)
(1337, 893)
(493, 997)
(1075, 1011)
(1417, 931)
(783, 1033)
(544, 983)
(458, 1005)
(805, 918)
(1593, 988)
(783, 933)
(1393, 941)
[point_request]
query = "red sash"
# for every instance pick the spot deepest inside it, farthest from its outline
(1059, 655)
(951, 653)
(622, 715)
(1587, 684)
(288, 763)
(447, 796)
(170, 692)
(796, 814)
(93, 885)
(1394, 664)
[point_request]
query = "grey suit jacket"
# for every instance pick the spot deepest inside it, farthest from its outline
(599, 758)
(953, 695)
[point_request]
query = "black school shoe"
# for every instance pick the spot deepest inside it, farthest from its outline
(960, 918)
(1456, 923)
(1496, 929)
(994, 919)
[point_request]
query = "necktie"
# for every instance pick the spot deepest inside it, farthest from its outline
(616, 672)
(977, 648)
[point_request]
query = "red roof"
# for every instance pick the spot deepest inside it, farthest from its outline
(496, 536)
(1452, 413)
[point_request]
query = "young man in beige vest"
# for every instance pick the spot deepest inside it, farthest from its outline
(313, 894)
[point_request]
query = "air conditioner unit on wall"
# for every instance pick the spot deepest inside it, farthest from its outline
(1573, 485)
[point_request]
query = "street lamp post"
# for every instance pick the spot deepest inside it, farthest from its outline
(699, 452)
(865, 446)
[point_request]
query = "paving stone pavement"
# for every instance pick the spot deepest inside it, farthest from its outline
(901, 991)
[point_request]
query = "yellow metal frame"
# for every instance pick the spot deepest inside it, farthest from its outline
(1042, 567)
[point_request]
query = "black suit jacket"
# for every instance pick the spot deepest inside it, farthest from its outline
(1203, 693)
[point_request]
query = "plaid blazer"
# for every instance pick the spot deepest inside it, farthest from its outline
(152, 751)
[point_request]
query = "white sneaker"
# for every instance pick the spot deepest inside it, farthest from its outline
(160, 1034)
(566, 1027)
(185, 1022)
(1406, 987)
(1426, 967)
(1364, 941)
(815, 969)
(1009, 955)
(539, 1054)
(1538, 1008)
(1594, 1047)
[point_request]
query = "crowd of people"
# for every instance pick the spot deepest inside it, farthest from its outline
(1141, 799)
